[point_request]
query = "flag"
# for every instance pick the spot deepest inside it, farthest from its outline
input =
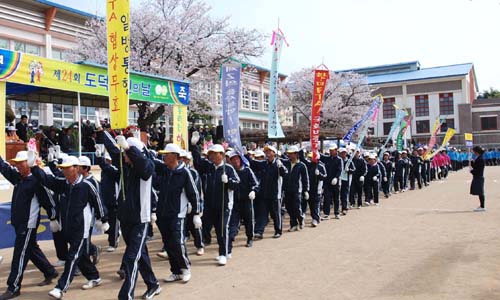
(320, 79)
(434, 132)
(447, 137)
(274, 127)
(400, 114)
(375, 104)
(403, 127)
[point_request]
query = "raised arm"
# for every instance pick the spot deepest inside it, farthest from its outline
(56, 184)
(9, 172)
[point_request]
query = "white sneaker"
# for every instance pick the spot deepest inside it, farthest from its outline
(1, 259)
(294, 228)
(314, 223)
(173, 277)
(162, 254)
(222, 260)
(480, 209)
(56, 293)
(377, 204)
(186, 275)
(325, 217)
(110, 249)
(217, 258)
(92, 284)
(229, 256)
(59, 263)
(200, 251)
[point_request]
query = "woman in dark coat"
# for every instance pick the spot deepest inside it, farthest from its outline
(477, 171)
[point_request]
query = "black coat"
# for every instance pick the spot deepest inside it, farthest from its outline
(477, 184)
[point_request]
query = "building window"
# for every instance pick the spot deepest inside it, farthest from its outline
(132, 117)
(87, 113)
(254, 97)
(59, 54)
(446, 104)
(265, 102)
(422, 105)
(245, 100)
(448, 123)
(389, 111)
(247, 125)
(387, 128)
(489, 123)
(31, 109)
(255, 125)
(62, 114)
(423, 126)
(4, 44)
(27, 48)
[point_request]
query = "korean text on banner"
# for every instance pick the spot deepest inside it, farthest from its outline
(231, 84)
(320, 78)
(274, 128)
(118, 36)
(180, 126)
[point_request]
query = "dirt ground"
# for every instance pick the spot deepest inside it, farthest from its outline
(424, 244)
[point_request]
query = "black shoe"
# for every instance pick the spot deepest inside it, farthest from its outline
(9, 295)
(344, 212)
(249, 243)
(151, 292)
(277, 235)
(257, 236)
(48, 280)
(97, 255)
(121, 273)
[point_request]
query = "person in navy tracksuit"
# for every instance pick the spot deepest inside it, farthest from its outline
(134, 212)
(388, 165)
(373, 176)
(27, 199)
(317, 174)
(358, 178)
(269, 200)
(348, 168)
(296, 187)
(221, 182)
(77, 198)
(331, 186)
(243, 200)
(177, 193)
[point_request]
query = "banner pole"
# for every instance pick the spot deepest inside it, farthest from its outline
(79, 126)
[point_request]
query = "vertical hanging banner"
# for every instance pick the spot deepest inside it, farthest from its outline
(320, 78)
(230, 85)
(403, 127)
(435, 129)
(400, 114)
(274, 127)
(374, 106)
(180, 126)
(118, 37)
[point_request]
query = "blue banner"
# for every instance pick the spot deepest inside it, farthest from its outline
(231, 83)
(347, 138)
(400, 114)
(274, 127)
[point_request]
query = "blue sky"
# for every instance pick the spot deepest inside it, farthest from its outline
(358, 33)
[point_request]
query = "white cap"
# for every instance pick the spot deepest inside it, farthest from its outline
(259, 153)
(272, 148)
(293, 149)
(171, 148)
(404, 152)
(372, 156)
(135, 142)
(366, 153)
(333, 147)
(183, 153)
(11, 128)
(342, 150)
(232, 154)
(216, 148)
(21, 156)
(420, 148)
(69, 161)
(84, 161)
(425, 147)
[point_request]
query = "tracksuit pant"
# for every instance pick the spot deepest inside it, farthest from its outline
(372, 190)
(332, 194)
(173, 228)
(294, 208)
(398, 182)
(195, 233)
(61, 245)
(265, 206)
(356, 189)
(243, 211)
(220, 221)
(415, 174)
(344, 194)
(386, 186)
(26, 248)
(313, 205)
(114, 227)
(77, 256)
(135, 259)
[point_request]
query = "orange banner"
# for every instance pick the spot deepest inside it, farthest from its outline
(320, 79)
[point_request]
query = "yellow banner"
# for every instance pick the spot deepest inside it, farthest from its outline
(449, 134)
(468, 136)
(118, 36)
(180, 126)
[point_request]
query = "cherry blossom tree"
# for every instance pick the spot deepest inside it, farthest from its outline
(347, 97)
(177, 39)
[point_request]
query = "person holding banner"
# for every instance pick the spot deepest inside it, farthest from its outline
(27, 199)
(477, 171)
(333, 165)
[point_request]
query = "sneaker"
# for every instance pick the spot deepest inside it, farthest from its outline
(277, 235)
(200, 251)
(121, 274)
(367, 203)
(344, 212)
(186, 275)
(222, 260)
(150, 293)
(377, 204)
(294, 228)
(110, 249)
(162, 254)
(173, 278)
(480, 209)
(56, 293)
(396, 192)
(97, 255)
(314, 223)
(9, 295)
(258, 236)
(1, 259)
(249, 243)
(217, 258)
(337, 217)
(59, 263)
(48, 280)
(325, 217)
(92, 284)
(302, 223)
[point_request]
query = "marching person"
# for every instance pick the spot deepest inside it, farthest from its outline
(76, 200)
(27, 199)
(373, 177)
(358, 179)
(345, 183)
(317, 174)
(389, 166)
(477, 171)
(134, 212)
(331, 186)
(243, 201)
(399, 173)
(426, 167)
(177, 193)
(271, 173)
(296, 187)
(416, 169)
(222, 180)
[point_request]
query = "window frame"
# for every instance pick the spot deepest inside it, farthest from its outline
(421, 105)
(418, 128)
(446, 104)
(494, 117)
(388, 109)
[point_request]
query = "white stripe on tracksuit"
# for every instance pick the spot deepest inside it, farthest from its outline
(138, 256)
(183, 245)
(77, 254)
(21, 260)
